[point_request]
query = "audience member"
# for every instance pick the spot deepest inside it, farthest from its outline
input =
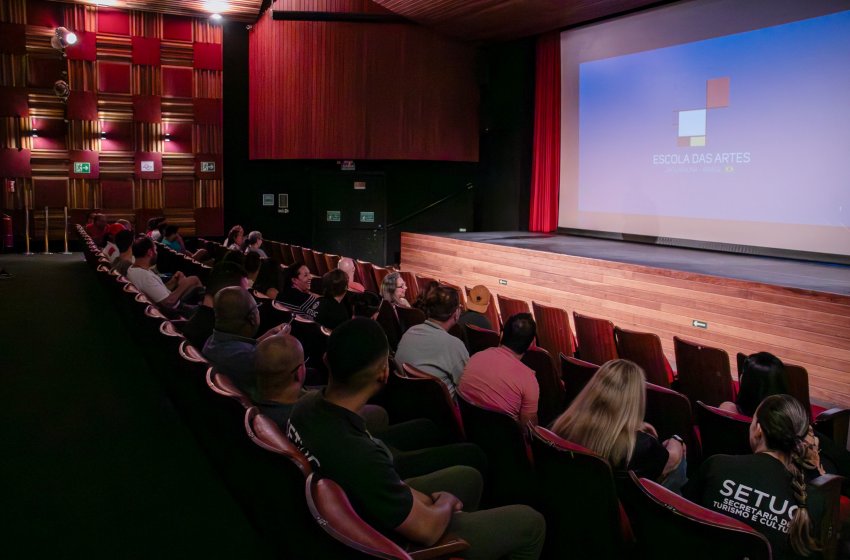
(496, 379)
(97, 228)
(393, 289)
(327, 429)
(476, 307)
(171, 238)
(235, 238)
(767, 490)
(280, 373)
(296, 295)
(167, 295)
(200, 325)
(423, 295)
(332, 311)
(430, 347)
(253, 243)
(263, 275)
(232, 346)
(347, 265)
(124, 245)
(762, 375)
(607, 418)
(155, 226)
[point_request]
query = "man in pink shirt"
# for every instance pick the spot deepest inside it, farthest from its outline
(496, 379)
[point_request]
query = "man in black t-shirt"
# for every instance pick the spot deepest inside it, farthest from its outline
(326, 427)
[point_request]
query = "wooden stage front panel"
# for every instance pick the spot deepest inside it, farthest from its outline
(802, 327)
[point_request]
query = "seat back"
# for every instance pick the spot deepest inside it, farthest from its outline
(222, 384)
(314, 340)
(503, 441)
(553, 330)
(331, 261)
(551, 401)
(509, 306)
(379, 273)
(296, 255)
(578, 497)
(409, 316)
(309, 259)
(703, 371)
(723, 432)
(332, 510)
(412, 285)
(595, 339)
(264, 432)
(671, 414)
(478, 339)
(664, 522)
(644, 349)
(321, 264)
(461, 295)
(423, 282)
(365, 276)
(388, 320)
(575, 374)
(798, 380)
(416, 394)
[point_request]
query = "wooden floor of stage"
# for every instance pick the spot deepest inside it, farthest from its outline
(798, 310)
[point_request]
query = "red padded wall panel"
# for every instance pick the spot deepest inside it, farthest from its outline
(115, 22)
(49, 192)
(85, 48)
(178, 136)
(179, 193)
(118, 138)
(113, 77)
(49, 134)
(82, 106)
(146, 51)
(43, 71)
(14, 102)
(144, 159)
(116, 193)
(46, 14)
(176, 28)
(15, 163)
(177, 81)
(207, 111)
(207, 56)
(147, 108)
(13, 38)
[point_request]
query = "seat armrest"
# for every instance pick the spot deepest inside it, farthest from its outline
(829, 486)
(448, 544)
(834, 423)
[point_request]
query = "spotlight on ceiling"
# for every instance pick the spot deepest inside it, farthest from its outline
(61, 89)
(215, 17)
(62, 38)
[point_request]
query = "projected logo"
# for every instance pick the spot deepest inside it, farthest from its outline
(692, 123)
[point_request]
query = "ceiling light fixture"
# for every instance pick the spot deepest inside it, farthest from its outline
(215, 17)
(62, 38)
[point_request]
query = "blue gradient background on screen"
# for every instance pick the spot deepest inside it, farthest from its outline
(789, 107)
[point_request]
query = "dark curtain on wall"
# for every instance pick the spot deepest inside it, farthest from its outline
(546, 168)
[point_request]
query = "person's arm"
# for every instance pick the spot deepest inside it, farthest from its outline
(281, 328)
(675, 454)
(530, 401)
(184, 286)
(729, 407)
(429, 517)
(174, 281)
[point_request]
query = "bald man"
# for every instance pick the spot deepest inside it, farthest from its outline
(347, 265)
(280, 373)
(232, 346)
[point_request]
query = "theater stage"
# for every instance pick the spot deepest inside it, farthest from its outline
(799, 311)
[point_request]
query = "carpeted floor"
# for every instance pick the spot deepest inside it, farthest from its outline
(95, 463)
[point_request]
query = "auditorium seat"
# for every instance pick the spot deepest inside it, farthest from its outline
(670, 414)
(461, 297)
(667, 525)
(222, 384)
(722, 432)
(509, 306)
(422, 283)
(798, 382)
(703, 372)
(575, 374)
(551, 401)
(264, 432)
(578, 498)
(595, 339)
(416, 394)
(331, 261)
(309, 260)
(553, 330)
(389, 321)
(379, 273)
(834, 424)
(297, 255)
(409, 316)
(412, 286)
(365, 276)
(334, 513)
(644, 349)
(321, 263)
(479, 339)
(502, 439)
(314, 340)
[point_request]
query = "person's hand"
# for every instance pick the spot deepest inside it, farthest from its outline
(676, 451)
(178, 275)
(445, 497)
(650, 429)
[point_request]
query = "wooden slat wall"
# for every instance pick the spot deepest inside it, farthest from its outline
(803, 327)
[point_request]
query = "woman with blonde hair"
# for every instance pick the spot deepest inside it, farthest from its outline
(393, 289)
(767, 490)
(607, 418)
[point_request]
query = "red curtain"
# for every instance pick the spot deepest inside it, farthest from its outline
(546, 167)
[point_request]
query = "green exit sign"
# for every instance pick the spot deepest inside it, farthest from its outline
(82, 167)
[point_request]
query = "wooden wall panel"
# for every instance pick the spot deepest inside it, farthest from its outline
(803, 327)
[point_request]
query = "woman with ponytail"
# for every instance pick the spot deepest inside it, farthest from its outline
(767, 490)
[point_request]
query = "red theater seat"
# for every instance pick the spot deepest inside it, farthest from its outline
(644, 349)
(595, 339)
(704, 373)
(723, 432)
(575, 374)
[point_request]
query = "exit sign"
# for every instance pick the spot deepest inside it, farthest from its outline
(82, 167)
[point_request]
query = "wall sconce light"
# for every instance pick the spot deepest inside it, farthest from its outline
(34, 133)
(103, 135)
(167, 137)
(62, 38)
